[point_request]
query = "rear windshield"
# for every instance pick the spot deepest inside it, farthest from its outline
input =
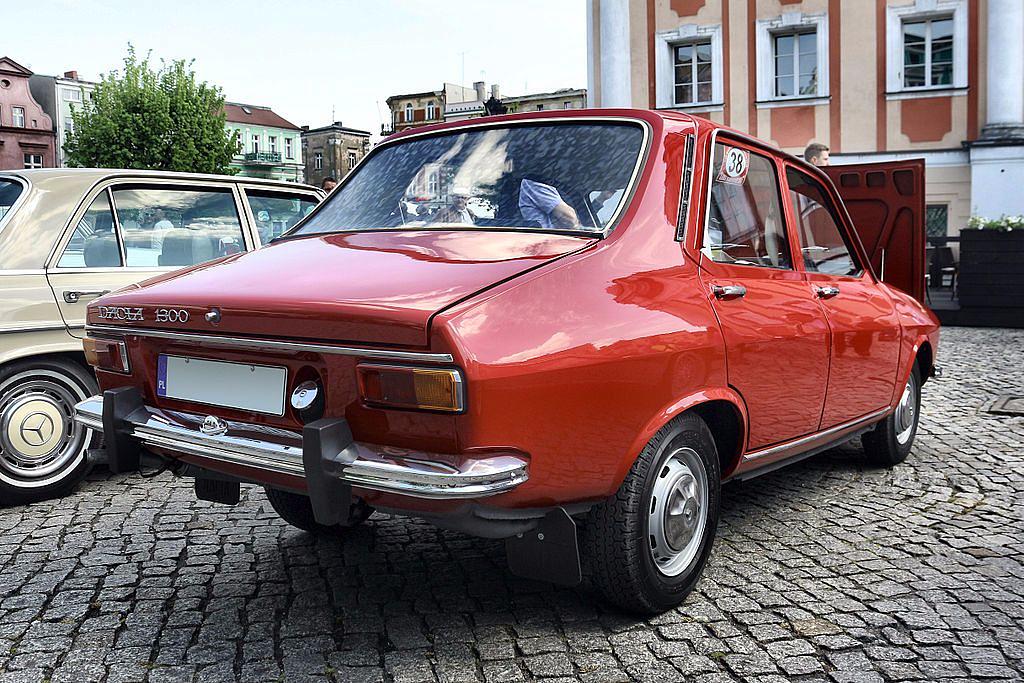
(10, 190)
(550, 177)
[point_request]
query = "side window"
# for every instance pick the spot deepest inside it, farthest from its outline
(94, 243)
(276, 212)
(824, 248)
(745, 222)
(167, 226)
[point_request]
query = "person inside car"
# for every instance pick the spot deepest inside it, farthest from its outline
(542, 204)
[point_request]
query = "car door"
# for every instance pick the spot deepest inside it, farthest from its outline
(861, 315)
(776, 336)
(132, 230)
(273, 211)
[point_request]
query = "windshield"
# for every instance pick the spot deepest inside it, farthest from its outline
(10, 190)
(533, 177)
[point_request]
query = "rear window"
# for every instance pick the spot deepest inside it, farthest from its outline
(10, 190)
(571, 177)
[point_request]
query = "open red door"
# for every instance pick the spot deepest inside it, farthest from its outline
(886, 203)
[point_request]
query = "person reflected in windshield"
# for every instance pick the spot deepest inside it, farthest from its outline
(457, 210)
(543, 204)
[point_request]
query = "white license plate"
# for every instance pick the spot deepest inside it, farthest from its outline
(257, 388)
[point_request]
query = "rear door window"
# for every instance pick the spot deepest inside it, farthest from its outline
(94, 243)
(745, 225)
(177, 226)
(10, 190)
(824, 247)
(276, 212)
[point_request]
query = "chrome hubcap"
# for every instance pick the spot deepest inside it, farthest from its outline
(906, 412)
(38, 435)
(678, 513)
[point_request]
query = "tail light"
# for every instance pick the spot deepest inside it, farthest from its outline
(411, 388)
(107, 353)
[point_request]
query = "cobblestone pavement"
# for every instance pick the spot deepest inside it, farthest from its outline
(827, 570)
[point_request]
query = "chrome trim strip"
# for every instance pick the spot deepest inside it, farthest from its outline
(685, 193)
(817, 436)
(273, 344)
(33, 327)
(379, 468)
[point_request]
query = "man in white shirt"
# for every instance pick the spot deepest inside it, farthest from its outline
(543, 204)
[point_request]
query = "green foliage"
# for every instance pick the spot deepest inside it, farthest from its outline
(1004, 223)
(150, 118)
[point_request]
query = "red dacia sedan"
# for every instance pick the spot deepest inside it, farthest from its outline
(564, 330)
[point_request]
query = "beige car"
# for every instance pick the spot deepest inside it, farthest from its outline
(68, 236)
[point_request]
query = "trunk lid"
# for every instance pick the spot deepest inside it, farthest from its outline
(368, 287)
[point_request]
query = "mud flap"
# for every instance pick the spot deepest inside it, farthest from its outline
(324, 444)
(550, 552)
(123, 451)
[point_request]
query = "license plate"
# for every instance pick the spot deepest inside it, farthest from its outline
(257, 388)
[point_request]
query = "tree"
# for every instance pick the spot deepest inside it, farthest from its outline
(149, 118)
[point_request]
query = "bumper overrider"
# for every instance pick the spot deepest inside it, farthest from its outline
(324, 453)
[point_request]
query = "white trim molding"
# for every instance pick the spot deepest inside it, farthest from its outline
(920, 10)
(767, 29)
(664, 71)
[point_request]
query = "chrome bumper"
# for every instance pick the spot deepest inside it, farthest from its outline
(375, 467)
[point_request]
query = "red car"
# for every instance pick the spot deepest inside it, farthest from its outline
(564, 330)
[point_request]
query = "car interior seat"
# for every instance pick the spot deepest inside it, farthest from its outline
(100, 249)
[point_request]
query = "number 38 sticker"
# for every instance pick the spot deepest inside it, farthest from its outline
(734, 166)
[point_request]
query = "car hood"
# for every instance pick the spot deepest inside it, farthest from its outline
(373, 287)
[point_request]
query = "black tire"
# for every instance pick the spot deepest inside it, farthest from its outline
(618, 543)
(891, 441)
(296, 509)
(44, 392)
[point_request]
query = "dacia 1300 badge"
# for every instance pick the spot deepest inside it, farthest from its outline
(564, 330)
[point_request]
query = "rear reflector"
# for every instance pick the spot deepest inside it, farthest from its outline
(107, 354)
(411, 388)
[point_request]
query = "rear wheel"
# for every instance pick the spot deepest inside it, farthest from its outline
(645, 547)
(889, 443)
(296, 509)
(42, 448)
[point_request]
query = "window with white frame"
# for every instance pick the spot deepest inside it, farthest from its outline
(792, 57)
(33, 161)
(351, 159)
(256, 143)
(926, 46)
(18, 119)
(431, 110)
(408, 113)
(688, 67)
(289, 151)
(71, 94)
(567, 105)
(272, 143)
(691, 69)
(318, 160)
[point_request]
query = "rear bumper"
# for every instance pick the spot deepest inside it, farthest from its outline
(279, 451)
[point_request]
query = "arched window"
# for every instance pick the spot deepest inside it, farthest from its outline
(408, 112)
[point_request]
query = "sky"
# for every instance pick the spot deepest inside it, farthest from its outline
(306, 59)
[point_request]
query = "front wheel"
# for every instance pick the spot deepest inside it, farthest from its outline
(645, 547)
(889, 443)
(42, 448)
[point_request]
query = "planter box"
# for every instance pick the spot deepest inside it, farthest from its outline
(991, 271)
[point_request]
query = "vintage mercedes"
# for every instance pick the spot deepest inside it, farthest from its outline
(561, 329)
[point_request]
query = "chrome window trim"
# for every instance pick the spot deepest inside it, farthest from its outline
(26, 186)
(816, 436)
(627, 199)
(33, 327)
(272, 344)
(686, 187)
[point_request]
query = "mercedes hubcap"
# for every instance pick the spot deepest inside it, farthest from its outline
(38, 435)
(906, 412)
(678, 513)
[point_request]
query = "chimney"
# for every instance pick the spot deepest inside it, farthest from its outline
(495, 91)
(73, 75)
(305, 127)
(481, 90)
(338, 124)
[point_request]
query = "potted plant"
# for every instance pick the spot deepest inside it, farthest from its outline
(991, 270)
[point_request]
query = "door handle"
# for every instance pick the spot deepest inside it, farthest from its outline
(74, 296)
(728, 292)
(826, 292)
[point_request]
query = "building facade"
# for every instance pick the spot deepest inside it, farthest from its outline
(875, 80)
(565, 98)
(332, 151)
(26, 130)
(269, 146)
(59, 95)
(419, 109)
